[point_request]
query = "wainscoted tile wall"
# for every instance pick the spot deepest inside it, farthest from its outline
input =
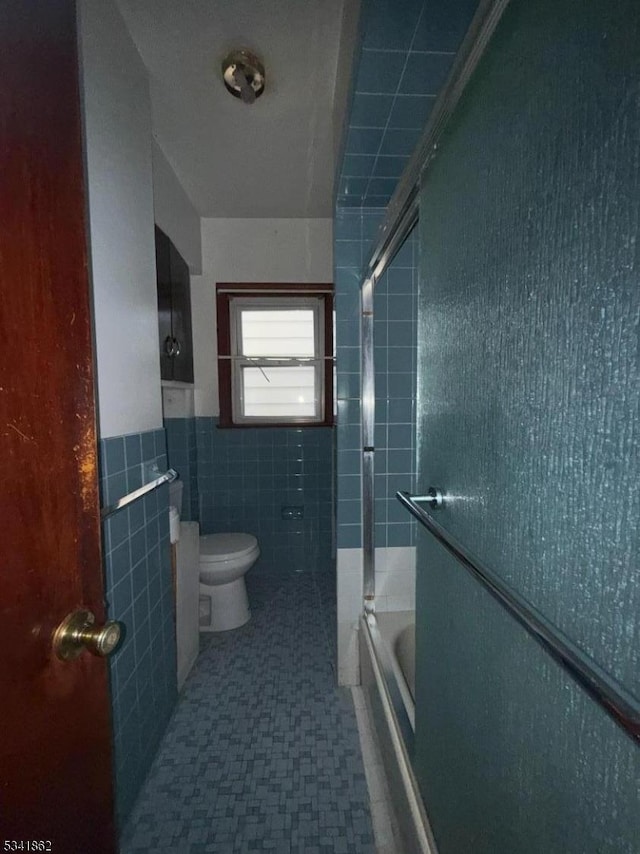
(139, 593)
(182, 453)
(248, 478)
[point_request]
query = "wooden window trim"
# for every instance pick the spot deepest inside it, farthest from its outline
(226, 290)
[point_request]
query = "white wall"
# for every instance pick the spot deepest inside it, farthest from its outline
(250, 250)
(174, 212)
(117, 114)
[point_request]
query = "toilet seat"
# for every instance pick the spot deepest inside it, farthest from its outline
(220, 547)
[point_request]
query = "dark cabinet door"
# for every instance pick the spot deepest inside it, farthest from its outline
(181, 317)
(174, 312)
(163, 272)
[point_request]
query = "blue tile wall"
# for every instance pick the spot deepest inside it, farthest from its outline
(406, 53)
(395, 350)
(353, 231)
(395, 324)
(246, 477)
(182, 454)
(139, 593)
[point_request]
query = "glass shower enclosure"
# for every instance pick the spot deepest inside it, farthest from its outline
(528, 419)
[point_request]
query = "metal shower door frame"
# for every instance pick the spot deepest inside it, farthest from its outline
(401, 217)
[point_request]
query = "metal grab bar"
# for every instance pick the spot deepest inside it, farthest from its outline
(619, 704)
(168, 477)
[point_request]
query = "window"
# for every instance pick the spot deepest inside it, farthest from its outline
(275, 354)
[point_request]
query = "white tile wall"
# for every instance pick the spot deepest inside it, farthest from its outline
(396, 578)
(395, 591)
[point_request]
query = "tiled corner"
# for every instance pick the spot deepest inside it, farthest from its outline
(182, 455)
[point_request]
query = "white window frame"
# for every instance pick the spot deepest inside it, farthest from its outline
(238, 304)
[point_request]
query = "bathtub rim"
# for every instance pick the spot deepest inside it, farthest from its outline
(397, 741)
(390, 629)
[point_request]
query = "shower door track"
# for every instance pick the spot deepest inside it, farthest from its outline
(618, 703)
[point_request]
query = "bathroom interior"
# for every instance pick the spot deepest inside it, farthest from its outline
(408, 622)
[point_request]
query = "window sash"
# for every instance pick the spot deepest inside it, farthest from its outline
(240, 362)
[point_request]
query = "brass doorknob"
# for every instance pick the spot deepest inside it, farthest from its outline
(78, 632)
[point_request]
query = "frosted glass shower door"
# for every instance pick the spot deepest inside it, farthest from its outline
(529, 419)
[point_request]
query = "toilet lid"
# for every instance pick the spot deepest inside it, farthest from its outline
(225, 546)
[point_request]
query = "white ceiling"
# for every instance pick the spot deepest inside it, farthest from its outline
(273, 158)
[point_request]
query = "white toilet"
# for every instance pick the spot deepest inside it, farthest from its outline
(224, 560)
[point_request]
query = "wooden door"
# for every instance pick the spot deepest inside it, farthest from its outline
(55, 754)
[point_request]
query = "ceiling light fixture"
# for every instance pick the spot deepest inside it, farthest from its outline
(243, 75)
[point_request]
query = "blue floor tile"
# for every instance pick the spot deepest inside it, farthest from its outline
(262, 753)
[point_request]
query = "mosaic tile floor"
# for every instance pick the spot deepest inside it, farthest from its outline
(262, 753)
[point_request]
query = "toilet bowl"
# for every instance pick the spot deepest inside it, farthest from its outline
(224, 560)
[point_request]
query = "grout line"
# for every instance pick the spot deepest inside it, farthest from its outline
(404, 68)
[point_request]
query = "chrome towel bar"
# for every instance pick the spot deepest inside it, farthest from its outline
(620, 704)
(434, 498)
(168, 477)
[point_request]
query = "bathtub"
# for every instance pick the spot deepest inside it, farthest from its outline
(387, 673)
(398, 630)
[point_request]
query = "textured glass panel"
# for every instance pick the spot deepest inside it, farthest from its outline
(529, 405)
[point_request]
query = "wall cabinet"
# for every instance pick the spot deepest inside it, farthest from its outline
(174, 312)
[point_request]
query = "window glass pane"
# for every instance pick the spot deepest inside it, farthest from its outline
(268, 332)
(279, 392)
